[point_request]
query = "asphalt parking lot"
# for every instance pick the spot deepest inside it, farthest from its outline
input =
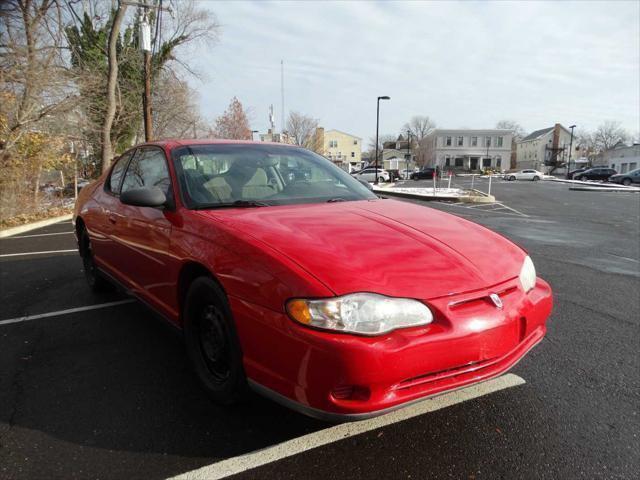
(107, 392)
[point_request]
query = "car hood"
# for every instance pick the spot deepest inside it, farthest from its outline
(390, 247)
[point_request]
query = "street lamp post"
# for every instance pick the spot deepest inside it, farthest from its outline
(570, 147)
(377, 130)
(408, 152)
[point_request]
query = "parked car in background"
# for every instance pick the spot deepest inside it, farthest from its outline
(526, 174)
(596, 173)
(369, 175)
(425, 173)
(267, 278)
(406, 174)
(578, 171)
(626, 178)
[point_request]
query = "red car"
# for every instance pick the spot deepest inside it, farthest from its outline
(276, 264)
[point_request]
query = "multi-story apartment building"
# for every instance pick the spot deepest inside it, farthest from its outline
(545, 147)
(468, 150)
(343, 149)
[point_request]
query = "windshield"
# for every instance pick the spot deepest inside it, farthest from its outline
(213, 176)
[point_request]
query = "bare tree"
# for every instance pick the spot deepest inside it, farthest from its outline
(608, 135)
(33, 80)
(175, 111)
(301, 128)
(515, 127)
(382, 139)
(419, 126)
(112, 78)
(233, 123)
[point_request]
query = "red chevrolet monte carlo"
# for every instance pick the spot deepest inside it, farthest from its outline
(289, 276)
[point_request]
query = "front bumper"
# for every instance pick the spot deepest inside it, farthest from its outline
(346, 377)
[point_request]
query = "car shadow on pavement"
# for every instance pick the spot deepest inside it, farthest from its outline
(115, 382)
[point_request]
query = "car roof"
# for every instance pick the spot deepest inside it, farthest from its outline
(172, 143)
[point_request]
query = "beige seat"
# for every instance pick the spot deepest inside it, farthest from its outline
(219, 188)
(258, 186)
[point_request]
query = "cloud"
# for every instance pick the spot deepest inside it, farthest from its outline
(460, 63)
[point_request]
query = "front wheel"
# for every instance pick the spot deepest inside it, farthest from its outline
(97, 283)
(212, 343)
(626, 182)
(512, 178)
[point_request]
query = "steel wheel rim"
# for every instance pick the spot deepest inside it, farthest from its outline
(214, 344)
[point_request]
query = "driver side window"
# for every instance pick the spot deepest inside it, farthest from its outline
(148, 169)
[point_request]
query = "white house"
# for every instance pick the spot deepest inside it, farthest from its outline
(545, 147)
(471, 150)
(622, 158)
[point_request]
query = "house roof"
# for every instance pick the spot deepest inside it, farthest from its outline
(344, 133)
(539, 133)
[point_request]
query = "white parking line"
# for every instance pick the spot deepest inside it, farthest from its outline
(242, 463)
(65, 312)
(38, 253)
(40, 235)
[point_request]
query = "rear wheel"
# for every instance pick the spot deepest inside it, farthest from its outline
(626, 182)
(97, 283)
(536, 178)
(212, 343)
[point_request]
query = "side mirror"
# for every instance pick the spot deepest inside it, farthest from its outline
(144, 197)
(365, 183)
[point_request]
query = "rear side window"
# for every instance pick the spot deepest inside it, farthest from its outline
(113, 184)
(148, 169)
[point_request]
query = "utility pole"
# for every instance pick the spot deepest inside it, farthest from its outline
(145, 46)
(570, 147)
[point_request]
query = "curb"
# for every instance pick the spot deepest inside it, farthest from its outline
(9, 232)
(585, 188)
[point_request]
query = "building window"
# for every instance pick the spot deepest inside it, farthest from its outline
(487, 141)
(500, 140)
(474, 141)
(460, 141)
(448, 141)
(353, 154)
(498, 162)
(632, 166)
(486, 162)
(459, 161)
(355, 142)
(333, 144)
(447, 162)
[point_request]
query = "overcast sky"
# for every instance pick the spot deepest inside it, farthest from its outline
(464, 64)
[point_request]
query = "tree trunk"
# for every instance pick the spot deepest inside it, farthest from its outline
(107, 152)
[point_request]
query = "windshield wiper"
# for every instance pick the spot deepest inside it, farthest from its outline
(336, 199)
(236, 204)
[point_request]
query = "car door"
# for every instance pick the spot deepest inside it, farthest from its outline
(526, 175)
(102, 221)
(144, 232)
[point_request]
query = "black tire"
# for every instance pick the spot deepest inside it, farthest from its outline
(512, 178)
(536, 178)
(626, 182)
(580, 179)
(97, 283)
(212, 342)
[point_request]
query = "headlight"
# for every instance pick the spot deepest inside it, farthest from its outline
(362, 313)
(528, 274)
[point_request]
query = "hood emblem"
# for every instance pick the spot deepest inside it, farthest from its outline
(496, 300)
